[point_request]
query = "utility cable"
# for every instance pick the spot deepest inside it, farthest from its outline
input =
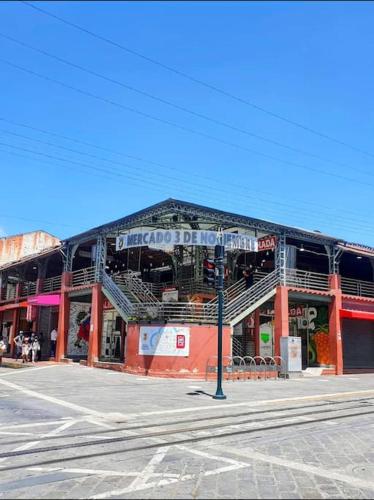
(198, 185)
(181, 127)
(158, 164)
(198, 81)
(174, 105)
(163, 185)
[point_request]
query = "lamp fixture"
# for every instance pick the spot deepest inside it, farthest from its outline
(301, 248)
(358, 257)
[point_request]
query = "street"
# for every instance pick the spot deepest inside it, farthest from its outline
(68, 431)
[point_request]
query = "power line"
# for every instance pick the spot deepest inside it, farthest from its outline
(181, 127)
(154, 163)
(174, 105)
(163, 185)
(198, 185)
(199, 81)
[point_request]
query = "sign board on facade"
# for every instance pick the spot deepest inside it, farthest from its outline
(162, 237)
(266, 340)
(267, 243)
(170, 295)
(164, 341)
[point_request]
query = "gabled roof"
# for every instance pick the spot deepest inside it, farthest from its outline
(210, 214)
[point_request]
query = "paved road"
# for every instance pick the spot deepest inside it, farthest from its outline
(75, 432)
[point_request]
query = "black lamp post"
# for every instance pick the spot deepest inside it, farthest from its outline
(219, 252)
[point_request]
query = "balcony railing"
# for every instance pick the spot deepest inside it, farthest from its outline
(28, 288)
(355, 287)
(84, 276)
(51, 284)
(306, 279)
(177, 311)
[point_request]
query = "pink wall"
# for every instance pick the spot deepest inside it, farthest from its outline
(203, 344)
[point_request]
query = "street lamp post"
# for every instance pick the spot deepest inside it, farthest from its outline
(219, 252)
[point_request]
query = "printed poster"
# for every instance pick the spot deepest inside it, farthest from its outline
(164, 341)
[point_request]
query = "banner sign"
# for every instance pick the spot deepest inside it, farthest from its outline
(162, 237)
(267, 243)
(164, 341)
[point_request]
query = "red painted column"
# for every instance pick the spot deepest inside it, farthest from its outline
(281, 325)
(63, 317)
(14, 331)
(335, 333)
(96, 325)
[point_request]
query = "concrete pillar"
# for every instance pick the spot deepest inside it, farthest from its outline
(14, 330)
(281, 326)
(63, 317)
(96, 325)
(335, 333)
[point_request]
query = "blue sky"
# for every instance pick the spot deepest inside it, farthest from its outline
(309, 62)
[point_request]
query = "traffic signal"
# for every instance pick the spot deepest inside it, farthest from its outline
(209, 272)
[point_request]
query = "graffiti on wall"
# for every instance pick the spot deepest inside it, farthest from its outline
(77, 345)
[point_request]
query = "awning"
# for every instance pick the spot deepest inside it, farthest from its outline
(350, 313)
(44, 300)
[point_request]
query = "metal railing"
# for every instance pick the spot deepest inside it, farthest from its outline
(10, 293)
(356, 287)
(306, 279)
(249, 297)
(51, 284)
(189, 312)
(248, 368)
(84, 276)
(28, 288)
(129, 282)
(118, 299)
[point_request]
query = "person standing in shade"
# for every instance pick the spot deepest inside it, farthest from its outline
(3, 349)
(18, 340)
(53, 335)
(248, 276)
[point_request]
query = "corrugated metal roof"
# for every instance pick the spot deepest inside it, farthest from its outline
(28, 258)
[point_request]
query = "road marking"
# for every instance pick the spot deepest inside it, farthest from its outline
(194, 387)
(28, 370)
(310, 469)
(37, 424)
(223, 405)
(51, 399)
(18, 433)
(94, 472)
(27, 446)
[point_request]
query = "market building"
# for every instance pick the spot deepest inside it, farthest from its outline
(137, 294)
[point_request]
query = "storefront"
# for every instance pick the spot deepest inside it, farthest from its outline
(310, 321)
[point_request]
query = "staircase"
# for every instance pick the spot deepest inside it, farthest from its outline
(134, 288)
(245, 302)
(117, 298)
(131, 297)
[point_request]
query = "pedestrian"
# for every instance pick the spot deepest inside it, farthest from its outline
(3, 348)
(53, 336)
(34, 346)
(248, 276)
(18, 340)
(25, 349)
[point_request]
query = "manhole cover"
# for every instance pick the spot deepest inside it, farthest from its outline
(365, 471)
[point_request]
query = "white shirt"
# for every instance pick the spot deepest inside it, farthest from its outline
(54, 334)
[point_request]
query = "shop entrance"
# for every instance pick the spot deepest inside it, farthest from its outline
(309, 321)
(111, 339)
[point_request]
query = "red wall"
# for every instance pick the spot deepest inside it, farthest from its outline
(203, 344)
